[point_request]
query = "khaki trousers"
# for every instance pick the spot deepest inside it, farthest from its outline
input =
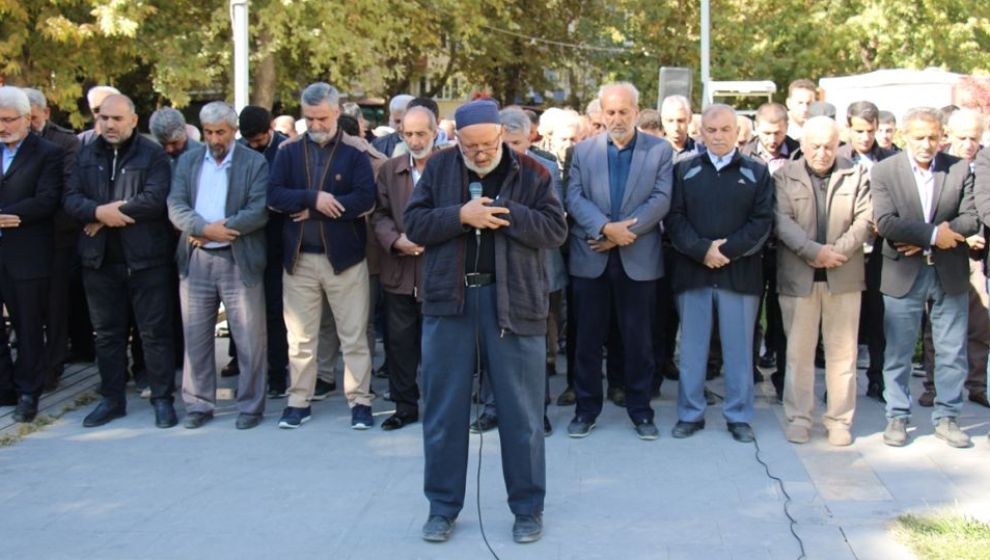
(838, 316)
(303, 297)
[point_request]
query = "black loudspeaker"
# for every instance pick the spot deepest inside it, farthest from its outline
(674, 81)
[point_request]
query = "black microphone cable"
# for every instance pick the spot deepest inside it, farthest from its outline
(479, 404)
(780, 484)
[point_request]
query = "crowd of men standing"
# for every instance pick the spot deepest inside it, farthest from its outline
(491, 237)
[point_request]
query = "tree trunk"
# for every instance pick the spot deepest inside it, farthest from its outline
(265, 77)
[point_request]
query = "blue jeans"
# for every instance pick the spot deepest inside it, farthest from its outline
(517, 369)
(736, 318)
(901, 323)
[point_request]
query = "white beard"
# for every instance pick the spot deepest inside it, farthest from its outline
(482, 171)
(422, 154)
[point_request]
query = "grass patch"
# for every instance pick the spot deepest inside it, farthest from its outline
(945, 536)
(42, 420)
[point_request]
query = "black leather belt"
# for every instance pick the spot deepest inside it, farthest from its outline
(216, 249)
(477, 279)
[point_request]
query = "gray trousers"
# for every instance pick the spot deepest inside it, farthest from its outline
(214, 278)
(518, 369)
(737, 314)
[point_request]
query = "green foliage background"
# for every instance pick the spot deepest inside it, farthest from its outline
(166, 51)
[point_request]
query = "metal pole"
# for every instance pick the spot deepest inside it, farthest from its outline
(705, 45)
(239, 25)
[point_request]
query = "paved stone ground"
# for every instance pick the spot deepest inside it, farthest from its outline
(131, 491)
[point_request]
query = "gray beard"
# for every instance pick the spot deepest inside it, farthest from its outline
(219, 153)
(482, 171)
(422, 154)
(320, 138)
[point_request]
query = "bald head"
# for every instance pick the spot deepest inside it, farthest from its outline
(117, 119)
(819, 143)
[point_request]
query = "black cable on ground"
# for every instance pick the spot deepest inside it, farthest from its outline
(477, 417)
(787, 499)
(481, 445)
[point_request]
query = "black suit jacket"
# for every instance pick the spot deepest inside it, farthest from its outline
(66, 229)
(900, 218)
(30, 189)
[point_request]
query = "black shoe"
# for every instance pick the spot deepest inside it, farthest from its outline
(647, 430)
(196, 420)
(247, 421)
(27, 409)
(398, 421)
(527, 528)
(323, 389)
(710, 397)
(277, 392)
(741, 432)
(927, 399)
(382, 372)
(767, 361)
(671, 371)
(980, 399)
(567, 398)
(686, 429)
(617, 395)
(485, 423)
(8, 398)
(579, 428)
(231, 369)
(547, 427)
(164, 414)
(438, 529)
(551, 369)
(103, 413)
(874, 390)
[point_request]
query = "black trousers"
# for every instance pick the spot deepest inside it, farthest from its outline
(27, 305)
(871, 315)
(774, 337)
(633, 304)
(150, 294)
(80, 327)
(57, 322)
(667, 321)
(402, 350)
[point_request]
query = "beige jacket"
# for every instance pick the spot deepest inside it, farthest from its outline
(850, 224)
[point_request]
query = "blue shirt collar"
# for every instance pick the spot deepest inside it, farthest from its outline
(16, 147)
(726, 158)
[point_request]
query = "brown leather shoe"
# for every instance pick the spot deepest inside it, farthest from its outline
(927, 399)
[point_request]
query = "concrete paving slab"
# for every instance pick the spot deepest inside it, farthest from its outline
(129, 490)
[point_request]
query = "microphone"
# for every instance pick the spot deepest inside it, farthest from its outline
(474, 187)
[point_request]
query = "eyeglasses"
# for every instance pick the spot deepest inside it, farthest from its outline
(479, 149)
